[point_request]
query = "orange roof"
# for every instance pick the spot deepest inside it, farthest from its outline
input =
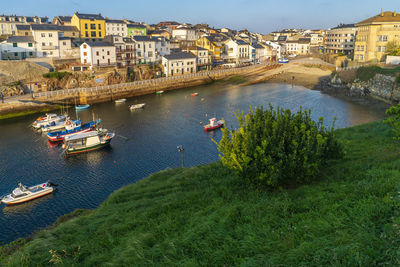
(383, 17)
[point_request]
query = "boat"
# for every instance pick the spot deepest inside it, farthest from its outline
(46, 120)
(23, 194)
(119, 101)
(137, 106)
(159, 92)
(60, 126)
(213, 124)
(82, 107)
(89, 141)
(283, 60)
(195, 94)
(74, 129)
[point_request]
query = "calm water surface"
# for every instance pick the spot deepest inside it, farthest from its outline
(172, 119)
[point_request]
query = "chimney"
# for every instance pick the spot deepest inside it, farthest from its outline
(394, 14)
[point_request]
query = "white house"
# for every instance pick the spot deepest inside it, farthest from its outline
(162, 47)
(145, 49)
(179, 63)
(203, 58)
(98, 54)
(280, 49)
(298, 47)
(184, 32)
(17, 47)
(116, 27)
(237, 51)
(258, 53)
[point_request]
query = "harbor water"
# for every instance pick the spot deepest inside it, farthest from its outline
(146, 142)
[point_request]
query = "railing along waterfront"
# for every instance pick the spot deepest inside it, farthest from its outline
(161, 80)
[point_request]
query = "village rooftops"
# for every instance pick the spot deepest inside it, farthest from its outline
(23, 27)
(20, 39)
(64, 18)
(180, 55)
(52, 27)
(257, 46)
(139, 26)
(340, 26)
(89, 16)
(381, 18)
(115, 21)
(241, 42)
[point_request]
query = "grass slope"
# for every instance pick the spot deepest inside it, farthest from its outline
(201, 216)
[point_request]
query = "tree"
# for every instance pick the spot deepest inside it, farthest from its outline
(393, 48)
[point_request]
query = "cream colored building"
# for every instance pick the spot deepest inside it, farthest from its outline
(8, 24)
(341, 39)
(116, 27)
(374, 34)
(179, 64)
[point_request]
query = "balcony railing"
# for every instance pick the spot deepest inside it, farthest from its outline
(49, 47)
(125, 50)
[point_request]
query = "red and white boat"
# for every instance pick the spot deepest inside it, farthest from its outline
(214, 124)
(23, 194)
(195, 94)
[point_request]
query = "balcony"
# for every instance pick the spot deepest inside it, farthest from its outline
(125, 50)
(49, 47)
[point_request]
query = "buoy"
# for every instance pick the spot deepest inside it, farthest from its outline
(201, 122)
(115, 161)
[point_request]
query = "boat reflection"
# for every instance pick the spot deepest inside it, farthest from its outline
(26, 207)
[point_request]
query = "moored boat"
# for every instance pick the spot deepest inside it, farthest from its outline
(82, 107)
(75, 129)
(119, 101)
(47, 120)
(159, 92)
(283, 60)
(85, 142)
(60, 126)
(213, 124)
(23, 194)
(137, 106)
(195, 94)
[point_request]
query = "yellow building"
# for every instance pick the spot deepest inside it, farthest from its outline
(214, 44)
(90, 26)
(373, 36)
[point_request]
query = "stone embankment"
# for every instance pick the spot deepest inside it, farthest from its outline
(123, 90)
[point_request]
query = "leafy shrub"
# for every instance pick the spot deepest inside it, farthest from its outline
(58, 75)
(274, 148)
(394, 120)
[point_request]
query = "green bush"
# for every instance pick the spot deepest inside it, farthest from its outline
(58, 75)
(275, 148)
(394, 120)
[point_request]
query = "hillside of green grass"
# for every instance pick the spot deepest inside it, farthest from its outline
(202, 216)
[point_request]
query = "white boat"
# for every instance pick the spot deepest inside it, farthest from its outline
(84, 142)
(137, 106)
(119, 101)
(61, 126)
(47, 120)
(23, 194)
(283, 60)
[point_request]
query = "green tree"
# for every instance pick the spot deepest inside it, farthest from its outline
(394, 120)
(274, 148)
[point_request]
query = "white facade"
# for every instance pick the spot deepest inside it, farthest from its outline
(162, 47)
(276, 46)
(116, 27)
(98, 54)
(17, 47)
(237, 51)
(145, 49)
(184, 33)
(179, 64)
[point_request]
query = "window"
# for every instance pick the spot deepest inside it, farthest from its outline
(16, 54)
(50, 44)
(50, 35)
(86, 26)
(43, 44)
(93, 26)
(138, 46)
(108, 53)
(85, 53)
(85, 46)
(150, 54)
(99, 34)
(92, 34)
(43, 35)
(15, 45)
(64, 43)
(30, 53)
(99, 26)
(97, 53)
(382, 38)
(30, 44)
(86, 34)
(149, 45)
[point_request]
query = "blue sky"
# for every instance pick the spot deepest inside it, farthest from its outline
(256, 15)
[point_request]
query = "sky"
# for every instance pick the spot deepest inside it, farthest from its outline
(262, 16)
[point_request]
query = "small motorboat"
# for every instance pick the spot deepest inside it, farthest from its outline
(195, 94)
(137, 106)
(120, 101)
(23, 194)
(47, 120)
(60, 126)
(283, 60)
(159, 92)
(213, 124)
(85, 142)
(72, 130)
(82, 107)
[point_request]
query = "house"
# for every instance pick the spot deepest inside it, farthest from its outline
(203, 60)
(145, 49)
(184, 32)
(168, 25)
(257, 53)
(162, 47)
(17, 48)
(179, 64)
(23, 30)
(116, 27)
(159, 33)
(8, 24)
(236, 51)
(53, 40)
(62, 20)
(299, 47)
(374, 34)
(98, 54)
(341, 39)
(90, 26)
(280, 49)
(136, 30)
(214, 44)
(270, 52)
(125, 49)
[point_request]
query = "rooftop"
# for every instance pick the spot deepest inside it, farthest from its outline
(383, 17)
(136, 26)
(340, 26)
(20, 39)
(115, 21)
(98, 44)
(64, 18)
(180, 55)
(89, 16)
